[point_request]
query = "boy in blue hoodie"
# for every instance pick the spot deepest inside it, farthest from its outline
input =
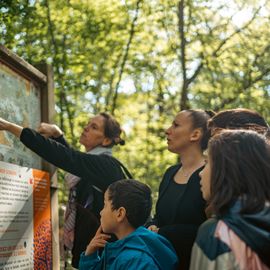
(127, 205)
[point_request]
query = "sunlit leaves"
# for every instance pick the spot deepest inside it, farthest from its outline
(85, 41)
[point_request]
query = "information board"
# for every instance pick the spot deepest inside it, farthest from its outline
(20, 103)
(26, 194)
(25, 227)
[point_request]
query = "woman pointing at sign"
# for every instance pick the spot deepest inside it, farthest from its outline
(89, 175)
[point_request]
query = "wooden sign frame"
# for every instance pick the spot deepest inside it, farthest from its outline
(42, 77)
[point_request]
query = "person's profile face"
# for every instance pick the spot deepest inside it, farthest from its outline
(108, 216)
(179, 133)
(93, 133)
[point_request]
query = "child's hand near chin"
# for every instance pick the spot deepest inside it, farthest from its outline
(153, 228)
(99, 241)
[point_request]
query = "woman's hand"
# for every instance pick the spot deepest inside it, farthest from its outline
(49, 130)
(99, 241)
(4, 124)
(10, 127)
(153, 228)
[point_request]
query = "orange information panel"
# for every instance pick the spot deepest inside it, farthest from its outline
(25, 218)
(42, 221)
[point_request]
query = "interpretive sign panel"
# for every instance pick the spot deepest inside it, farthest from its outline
(25, 227)
(20, 103)
(27, 240)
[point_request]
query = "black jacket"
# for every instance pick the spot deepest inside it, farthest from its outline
(98, 170)
(189, 214)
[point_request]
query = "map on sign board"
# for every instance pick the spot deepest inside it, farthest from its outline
(20, 104)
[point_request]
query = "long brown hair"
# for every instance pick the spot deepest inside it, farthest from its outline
(240, 170)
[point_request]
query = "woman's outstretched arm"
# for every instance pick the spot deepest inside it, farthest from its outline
(10, 127)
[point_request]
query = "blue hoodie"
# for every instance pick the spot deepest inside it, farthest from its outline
(140, 250)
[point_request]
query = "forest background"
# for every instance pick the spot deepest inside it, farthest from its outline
(143, 61)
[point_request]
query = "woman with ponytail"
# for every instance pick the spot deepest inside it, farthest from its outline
(89, 173)
(180, 206)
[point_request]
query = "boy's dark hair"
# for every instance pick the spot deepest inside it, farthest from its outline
(240, 170)
(135, 197)
(199, 120)
(112, 129)
(239, 119)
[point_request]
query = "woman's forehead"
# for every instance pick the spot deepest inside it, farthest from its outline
(183, 115)
(98, 119)
(106, 195)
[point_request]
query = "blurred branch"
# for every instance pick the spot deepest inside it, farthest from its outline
(181, 28)
(187, 81)
(62, 96)
(131, 35)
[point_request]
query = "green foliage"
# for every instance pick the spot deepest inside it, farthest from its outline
(98, 48)
(86, 44)
(148, 56)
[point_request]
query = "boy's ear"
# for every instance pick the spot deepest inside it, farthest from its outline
(121, 214)
(196, 135)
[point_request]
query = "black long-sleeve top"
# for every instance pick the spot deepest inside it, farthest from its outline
(181, 228)
(98, 170)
